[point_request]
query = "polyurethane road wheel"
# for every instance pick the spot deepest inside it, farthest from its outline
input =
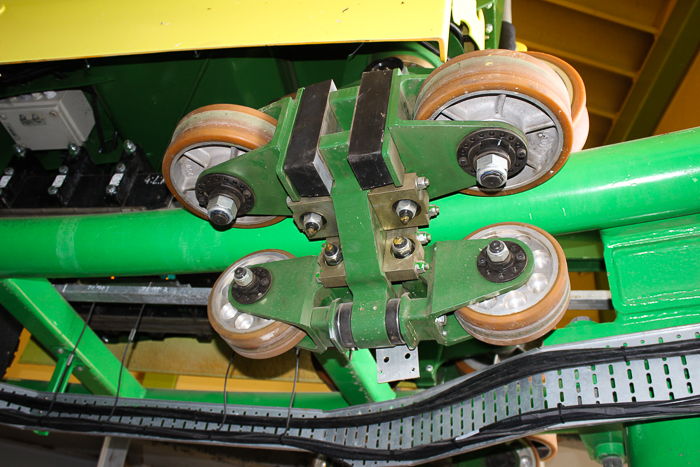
(509, 87)
(207, 137)
(524, 314)
(249, 335)
(577, 96)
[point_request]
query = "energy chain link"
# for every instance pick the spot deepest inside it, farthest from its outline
(651, 379)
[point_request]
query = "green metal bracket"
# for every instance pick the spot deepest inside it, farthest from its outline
(671, 443)
(47, 316)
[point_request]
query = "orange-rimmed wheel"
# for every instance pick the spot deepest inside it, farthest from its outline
(249, 335)
(532, 310)
(509, 87)
(210, 136)
(577, 96)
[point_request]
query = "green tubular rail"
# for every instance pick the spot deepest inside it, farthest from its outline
(639, 181)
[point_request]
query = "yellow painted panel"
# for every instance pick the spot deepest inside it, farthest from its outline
(206, 383)
(682, 112)
(36, 30)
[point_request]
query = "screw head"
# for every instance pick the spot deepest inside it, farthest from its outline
(111, 190)
(489, 28)
(53, 190)
(429, 368)
(129, 146)
(20, 150)
(63, 169)
(120, 167)
(73, 149)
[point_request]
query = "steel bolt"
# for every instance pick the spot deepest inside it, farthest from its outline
(79, 368)
(423, 237)
(73, 149)
(111, 190)
(492, 171)
(129, 146)
(120, 167)
(221, 210)
(612, 461)
(53, 190)
(313, 222)
(489, 28)
(332, 254)
(402, 247)
(60, 351)
(9, 171)
(433, 211)
(63, 170)
(421, 267)
(441, 320)
(497, 251)
(429, 368)
(422, 183)
(20, 150)
(406, 210)
(242, 276)
(525, 461)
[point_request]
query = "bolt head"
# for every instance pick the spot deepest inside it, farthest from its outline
(9, 171)
(20, 150)
(422, 183)
(406, 210)
(489, 28)
(433, 211)
(129, 146)
(497, 251)
(492, 171)
(221, 210)
(120, 168)
(313, 222)
(63, 169)
(53, 190)
(111, 190)
(73, 149)
(429, 368)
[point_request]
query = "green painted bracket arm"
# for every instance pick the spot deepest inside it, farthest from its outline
(48, 317)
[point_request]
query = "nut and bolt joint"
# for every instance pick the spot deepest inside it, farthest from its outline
(120, 168)
(129, 146)
(612, 461)
(433, 211)
(332, 254)
(492, 171)
(221, 210)
(402, 247)
(441, 320)
(243, 276)
(63, 170)
(489, 28)
(406, 210)
(422, 183)
(313, 222)
(53, 190)
(421, 267)
(423, 237)
(73, 149)
(498, 251)
(9, 171)
(20, 150)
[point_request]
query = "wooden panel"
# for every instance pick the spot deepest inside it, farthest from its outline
(617, 47)
(641, 14)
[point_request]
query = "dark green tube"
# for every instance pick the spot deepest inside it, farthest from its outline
(628, 183)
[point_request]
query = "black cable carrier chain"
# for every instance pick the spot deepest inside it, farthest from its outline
(27, 410)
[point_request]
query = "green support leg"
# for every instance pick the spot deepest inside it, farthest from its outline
(48, 317)
(672, 443)
(356, 378)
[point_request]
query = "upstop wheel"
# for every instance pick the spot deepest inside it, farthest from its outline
(507, 87)
(210, 136)
(524, 314)
(249, 335)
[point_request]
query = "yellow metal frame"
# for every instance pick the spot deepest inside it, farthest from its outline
(38, 30)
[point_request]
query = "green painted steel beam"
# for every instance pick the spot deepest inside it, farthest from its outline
(638, 181)
(48, 317)
(355, 375)
(671, 443)
(663, 72)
